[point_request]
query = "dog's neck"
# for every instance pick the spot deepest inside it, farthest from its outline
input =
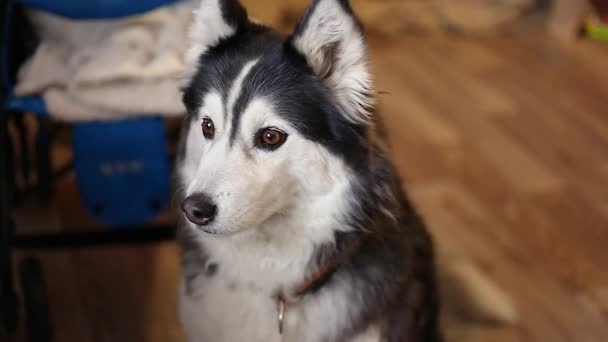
(320, 275)
(320, 272)
(283, 257)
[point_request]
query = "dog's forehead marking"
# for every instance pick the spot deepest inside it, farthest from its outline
(236, 89)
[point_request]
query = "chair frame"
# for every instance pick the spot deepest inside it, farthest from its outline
(30, 271)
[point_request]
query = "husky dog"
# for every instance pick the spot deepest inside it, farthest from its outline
(295, 226)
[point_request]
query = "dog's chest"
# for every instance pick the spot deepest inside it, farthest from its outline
(213, 310)
(216, 311)
(220, 312)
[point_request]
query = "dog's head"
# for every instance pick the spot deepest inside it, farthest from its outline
(277, 124)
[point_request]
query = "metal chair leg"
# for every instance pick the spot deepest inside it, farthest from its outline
(24, 146)
(43, 160)
(8, 152)
(8, 297)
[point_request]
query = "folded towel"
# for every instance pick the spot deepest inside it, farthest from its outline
(108, 69)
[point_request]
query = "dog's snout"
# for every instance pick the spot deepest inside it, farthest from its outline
(199, 209)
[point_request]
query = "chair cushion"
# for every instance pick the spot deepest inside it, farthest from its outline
(122, 169)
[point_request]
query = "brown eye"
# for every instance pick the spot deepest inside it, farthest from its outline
(208, 128)
(271, 138)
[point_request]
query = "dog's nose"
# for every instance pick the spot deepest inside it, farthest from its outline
(199, 209)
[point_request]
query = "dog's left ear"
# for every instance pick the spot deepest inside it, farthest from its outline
(214, 21)
(330, 38)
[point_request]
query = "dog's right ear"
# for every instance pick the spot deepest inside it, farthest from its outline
(214, 21)
(330, 38)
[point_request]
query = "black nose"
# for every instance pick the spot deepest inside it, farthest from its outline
(199, 209)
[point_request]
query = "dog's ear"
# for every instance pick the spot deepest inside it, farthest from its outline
(330, 38)
(213, 21)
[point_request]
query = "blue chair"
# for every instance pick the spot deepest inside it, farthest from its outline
(113, 191)
(122, 168)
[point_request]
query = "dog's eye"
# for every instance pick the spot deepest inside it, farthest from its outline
(271, 138)
(208, 128)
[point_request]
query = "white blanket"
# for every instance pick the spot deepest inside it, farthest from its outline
(108, 69)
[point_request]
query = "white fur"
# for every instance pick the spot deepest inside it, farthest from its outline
(347, 74)
(195, 143)
(220, 314)
(208, 28)
(237, 85)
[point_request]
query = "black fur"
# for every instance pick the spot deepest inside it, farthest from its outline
(392, 267)
(234, 13)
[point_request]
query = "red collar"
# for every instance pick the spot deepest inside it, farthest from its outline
(322, 274)
(315, 280)
(324, 271)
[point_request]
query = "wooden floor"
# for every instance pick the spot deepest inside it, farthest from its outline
(503, 146)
